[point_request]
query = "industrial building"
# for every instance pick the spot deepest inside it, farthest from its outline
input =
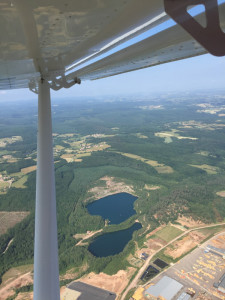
(217, 251)
(166, 288)
(184, 296)
(220, 285)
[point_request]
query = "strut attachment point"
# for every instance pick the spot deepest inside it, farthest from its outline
(212, 38)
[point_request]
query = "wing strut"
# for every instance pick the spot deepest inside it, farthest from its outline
(212, 38)
(46, 270)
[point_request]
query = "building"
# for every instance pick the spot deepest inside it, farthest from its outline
(144, 256)
(217, 251)
(165, 288)
(220, 285)
(184, 296)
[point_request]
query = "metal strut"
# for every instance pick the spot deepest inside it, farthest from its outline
(212, 38)
(62, 82)
(55, 84)
(46, 270)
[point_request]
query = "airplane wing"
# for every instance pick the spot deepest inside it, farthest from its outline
(45, 43)
(52, 38)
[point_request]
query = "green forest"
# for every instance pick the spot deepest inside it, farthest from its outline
(174, 144)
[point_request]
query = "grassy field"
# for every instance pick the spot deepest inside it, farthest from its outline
(208, 169)
(160, 168)
(212, 230)
(28, 169)
(173, 133)
(168, 233)
(3, 186)
(20, 184)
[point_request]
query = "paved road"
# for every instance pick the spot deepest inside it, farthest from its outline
(140, 272)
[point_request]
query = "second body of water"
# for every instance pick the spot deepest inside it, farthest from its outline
(113, 242)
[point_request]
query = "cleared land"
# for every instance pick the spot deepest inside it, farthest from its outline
(184, 245)
(221, 194)
(10, 219)
(85, 236)
(207, 168)
(160, 168)
(168, 135)
(28, 169)
(115, 283)
(168, 233)
(189, 222)
(10, 140)
(20, 184)
(110, 187)
(16, 278)
(140, 136)
(151, 187)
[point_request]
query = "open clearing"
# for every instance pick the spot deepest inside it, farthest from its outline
(115, 283)
(28, 169)
(185, 244)
(81, 150)
(10, 219)
(189, 222)
(140, 135)
(168, 135)
(15, 278)
(221, 193)
(207, 168)
(85, 236)
(111, 186)
(168, 233)
(200, 125)
(151, 187)
(10, 140)
(160, 168)
(20, 184)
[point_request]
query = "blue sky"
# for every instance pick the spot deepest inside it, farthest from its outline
(204, 72)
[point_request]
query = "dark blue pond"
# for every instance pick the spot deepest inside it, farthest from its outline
(112, 243)
(116, 208)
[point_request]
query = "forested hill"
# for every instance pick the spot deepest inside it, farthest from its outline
(169, 149)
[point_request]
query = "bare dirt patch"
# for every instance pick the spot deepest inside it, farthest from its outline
(115, 283)
(28, 169)
(185, 244)
(25, 296)
(189, 222)
(111, 187)
(152, 245)
(73, 273)
(8, 219)
(85, 236)
(151, 187)
(221, 193)
(7, 289)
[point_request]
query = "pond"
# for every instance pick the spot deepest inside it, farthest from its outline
(116, 208)
(112, 243)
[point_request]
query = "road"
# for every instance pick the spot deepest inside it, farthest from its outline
(140, 272)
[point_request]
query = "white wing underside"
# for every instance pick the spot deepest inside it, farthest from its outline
(51, 37)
